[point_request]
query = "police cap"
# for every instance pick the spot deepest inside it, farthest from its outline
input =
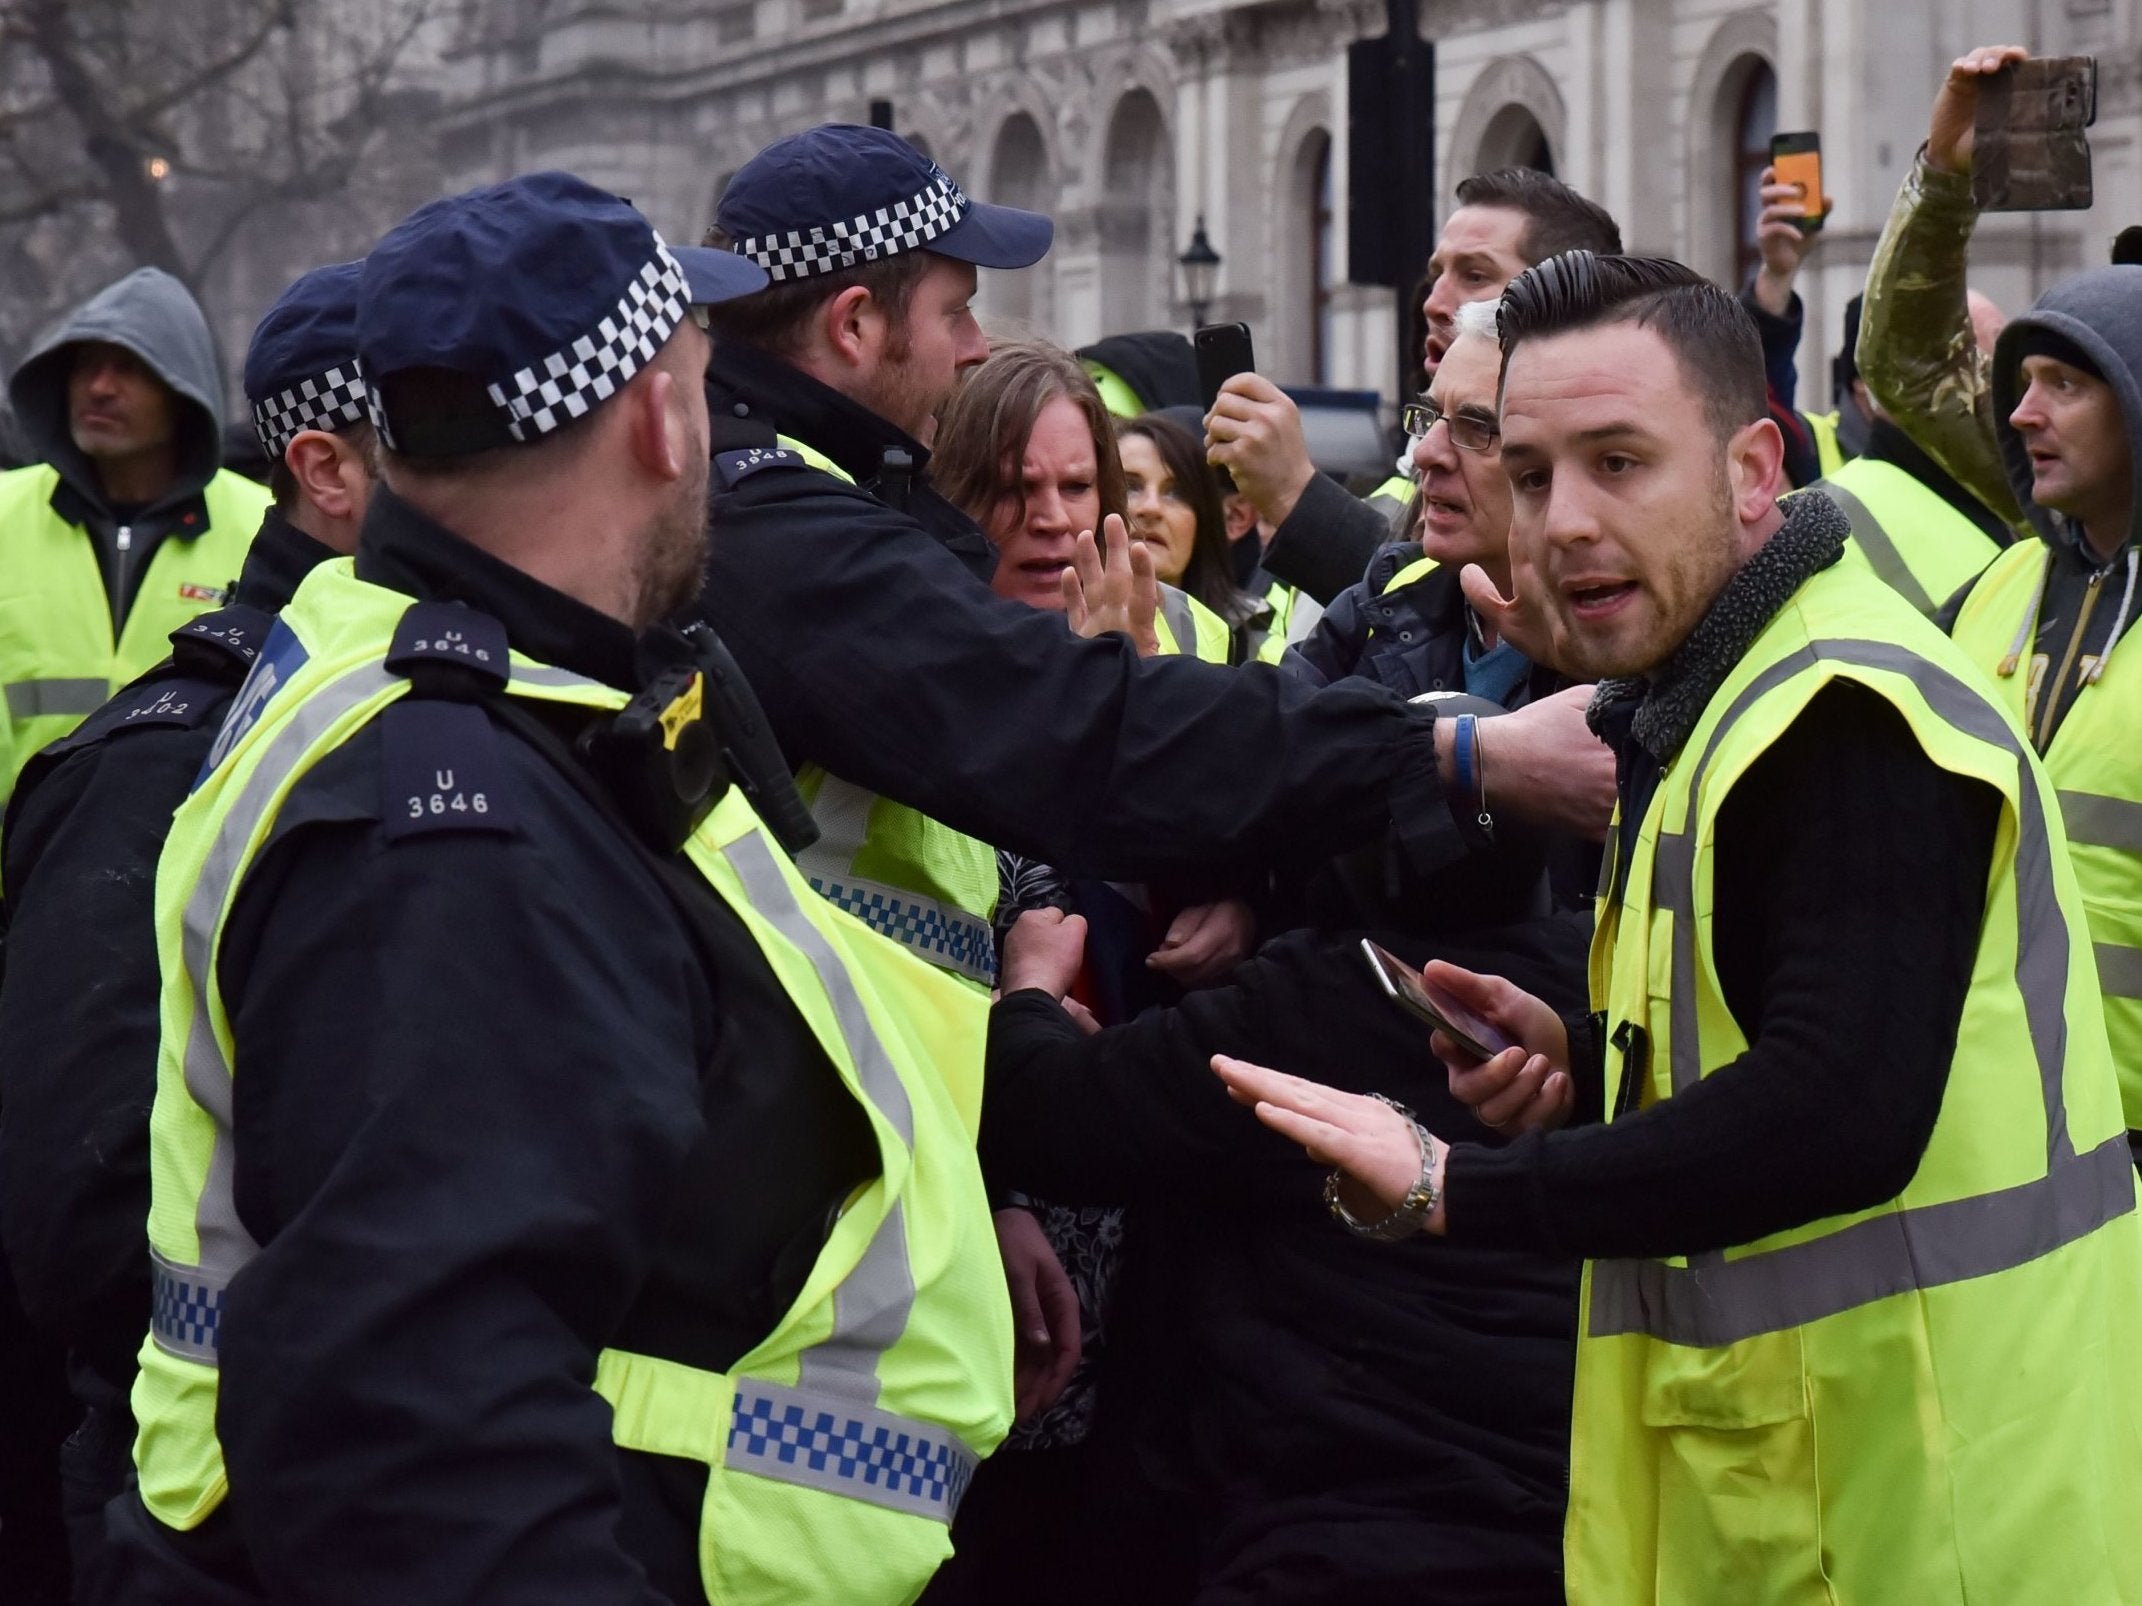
(301, 369)
(840, 194)
(495, 317)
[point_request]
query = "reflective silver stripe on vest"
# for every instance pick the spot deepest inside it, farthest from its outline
(1182, 623)
(27, 699)
(2097, 821)
(1889, 1254)
(948, 937)
(1874, 541)
(803, 1437)
(545, 675)
(872, 1304)
(184, 1294)
(1921, 1247)
(2119, 970)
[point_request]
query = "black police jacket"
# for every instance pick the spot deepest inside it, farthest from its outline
(503, 1100)
(878, 651)
(78, 1002)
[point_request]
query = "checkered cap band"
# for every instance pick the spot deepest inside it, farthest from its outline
(326, 401)
(571, 382)
(829, 247)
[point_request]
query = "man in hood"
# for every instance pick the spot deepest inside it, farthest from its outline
(124, 526)
(2050, 620)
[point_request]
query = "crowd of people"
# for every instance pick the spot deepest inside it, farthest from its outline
(715, 951)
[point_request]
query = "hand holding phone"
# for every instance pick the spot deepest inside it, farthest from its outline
(1223, 351)
(1411, 991)
(1796, 159)
(2029, 151)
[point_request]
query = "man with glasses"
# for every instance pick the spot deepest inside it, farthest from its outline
(1407, 624)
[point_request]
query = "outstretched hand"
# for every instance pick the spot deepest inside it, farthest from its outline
(1118, 592)
(1950, 136)
(1369, 1141)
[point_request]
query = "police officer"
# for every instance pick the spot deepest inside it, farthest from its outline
(585, 1219)
(78, 1004)
(855, 598)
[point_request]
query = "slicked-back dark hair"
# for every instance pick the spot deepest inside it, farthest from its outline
(1709, 333)
(1557, 218)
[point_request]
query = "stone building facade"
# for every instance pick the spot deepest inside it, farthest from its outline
(1129, 120)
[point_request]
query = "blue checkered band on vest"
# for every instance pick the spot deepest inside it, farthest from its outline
(185, 1314)
(943, 936)
(823, 1442)
(325, 401)
(570, 382)
(887, 231)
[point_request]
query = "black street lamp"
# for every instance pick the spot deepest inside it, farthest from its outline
(1201, 272)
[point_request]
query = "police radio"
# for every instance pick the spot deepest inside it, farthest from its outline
(695, 729)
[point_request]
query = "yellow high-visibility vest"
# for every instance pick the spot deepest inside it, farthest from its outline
(837, 1446)
(1933, 1400)
(1914, 539)
(2095, 760)
(60, 659)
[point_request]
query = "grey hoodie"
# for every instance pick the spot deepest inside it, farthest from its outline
(2089, 603)
(153, 316)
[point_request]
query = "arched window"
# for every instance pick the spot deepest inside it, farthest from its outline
(1018, 176)
(1514, 138)
(1755, 119)
(1316, 168)
(1137, 258)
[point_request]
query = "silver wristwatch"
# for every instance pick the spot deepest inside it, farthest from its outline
(1412, 1210)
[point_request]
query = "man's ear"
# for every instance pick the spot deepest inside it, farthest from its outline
(661, 434)
(852, 326)
(1755, 470)
(318, 462)
(1239, 516)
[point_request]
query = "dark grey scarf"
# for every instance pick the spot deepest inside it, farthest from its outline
(1669, 703)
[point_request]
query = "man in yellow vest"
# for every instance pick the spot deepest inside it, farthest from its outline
(126, 526)
(1843, 1144)
(553, 1199)
(1923, 532)
(84, 827)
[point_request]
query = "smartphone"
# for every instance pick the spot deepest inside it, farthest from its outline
(2028, 149)
(1796, 159)
(1223, 351)
(1410, 990)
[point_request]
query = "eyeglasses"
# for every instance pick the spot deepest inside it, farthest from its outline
(1474, 434)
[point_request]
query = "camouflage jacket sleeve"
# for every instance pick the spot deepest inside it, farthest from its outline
(1916, 350)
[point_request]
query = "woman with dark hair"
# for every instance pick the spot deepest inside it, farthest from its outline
(1176, 512)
